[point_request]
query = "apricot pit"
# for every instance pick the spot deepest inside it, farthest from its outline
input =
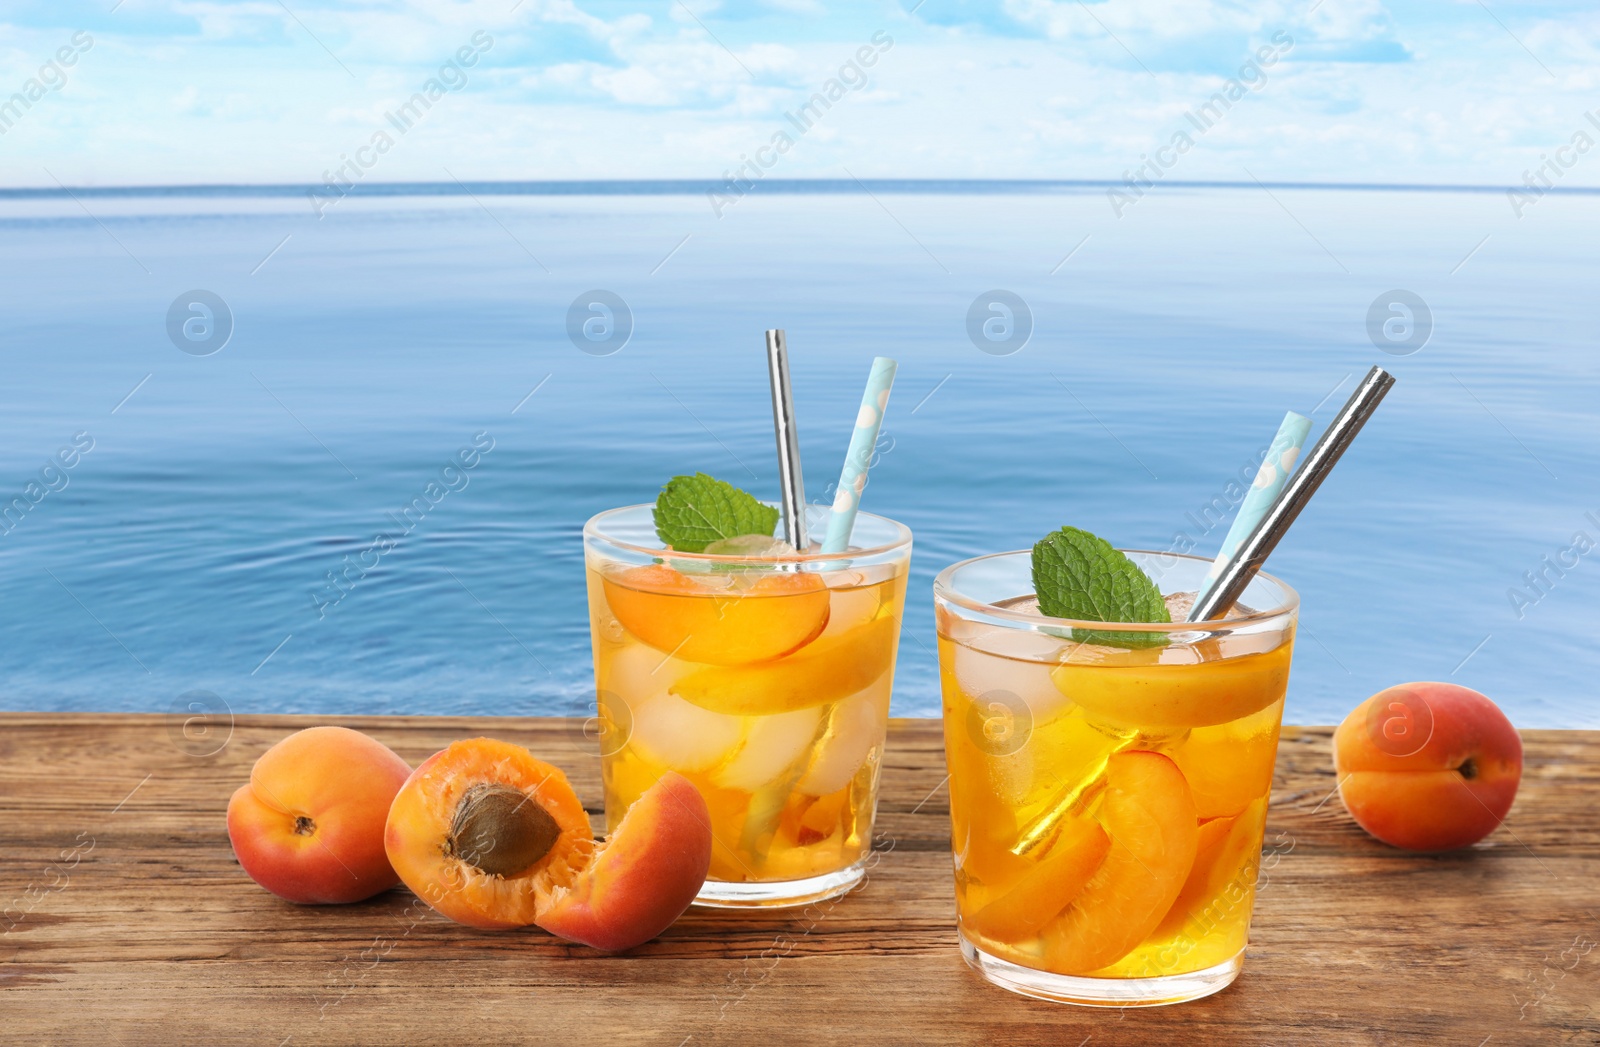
(500, 830)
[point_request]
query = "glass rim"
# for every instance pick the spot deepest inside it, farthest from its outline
(902, 540)
(944, 590)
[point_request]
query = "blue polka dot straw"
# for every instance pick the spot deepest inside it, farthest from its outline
(1270, 478)
(853, 480)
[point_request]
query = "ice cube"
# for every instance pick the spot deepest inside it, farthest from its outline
(772, 745)
(1179, 605)
(850, 607)
(671, 732)
(750, 545)
(855, 725)
(1011, 776)
(1002, 662)
(636, 673)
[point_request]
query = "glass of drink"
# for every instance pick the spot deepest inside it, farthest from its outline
(763, 676)
(1108, 782)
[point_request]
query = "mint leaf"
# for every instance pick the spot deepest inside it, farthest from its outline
(1079, 575)
(694, 511)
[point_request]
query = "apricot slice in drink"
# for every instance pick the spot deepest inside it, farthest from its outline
(1149, 815)
(1230, 767)
(678, 614)
(1220, 883)
(1047, 888)
(832, 668)
(1156, 695)
(492, 837)
(822, 819)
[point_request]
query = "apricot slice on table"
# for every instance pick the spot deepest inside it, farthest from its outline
(643, 877)
(492, 837)
(308, 826)
(1047, 888)
(832, 668)
(1149, 815)
(679, 614)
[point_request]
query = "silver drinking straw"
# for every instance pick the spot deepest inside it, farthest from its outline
(1249, 557)
(789, 478)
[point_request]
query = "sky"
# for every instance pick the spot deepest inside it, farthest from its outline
(166, 92)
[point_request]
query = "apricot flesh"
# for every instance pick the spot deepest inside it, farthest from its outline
(308, 826)
(1149, 815)
(1047, 888)
(678, 614)
(827, 670)
(1223, 876)
(442, 838)
(1428, 766)
(1152, 694)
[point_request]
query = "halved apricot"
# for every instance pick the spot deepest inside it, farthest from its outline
(492, 837)
(832, 668)
(678, 614)
(482, 831)
(1149, 815)
(1047, 888)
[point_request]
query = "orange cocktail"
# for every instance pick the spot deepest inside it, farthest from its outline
(764, 679)
(1108, 786)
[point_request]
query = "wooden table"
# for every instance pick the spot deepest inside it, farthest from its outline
(127, 920)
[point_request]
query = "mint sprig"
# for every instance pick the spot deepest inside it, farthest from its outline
(1079, 575)
(694, 511)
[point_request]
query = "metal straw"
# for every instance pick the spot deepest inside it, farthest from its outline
(1249, 557)
(789, 478)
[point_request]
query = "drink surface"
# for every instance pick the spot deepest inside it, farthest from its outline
(1108, 804)
(768, 689)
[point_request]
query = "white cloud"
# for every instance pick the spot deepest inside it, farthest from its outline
(563, 93)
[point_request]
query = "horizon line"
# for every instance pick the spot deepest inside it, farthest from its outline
(688, 186)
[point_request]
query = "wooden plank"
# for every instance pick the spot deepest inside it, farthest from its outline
(152, 934)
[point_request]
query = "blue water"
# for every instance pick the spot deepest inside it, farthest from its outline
(189, 549)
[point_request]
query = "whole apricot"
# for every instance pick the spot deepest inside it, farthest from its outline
(1427, 766)
(309, 824)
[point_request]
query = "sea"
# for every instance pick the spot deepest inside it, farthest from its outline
(218, 399)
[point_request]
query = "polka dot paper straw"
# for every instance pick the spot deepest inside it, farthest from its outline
(853, 480)
(1270, 478)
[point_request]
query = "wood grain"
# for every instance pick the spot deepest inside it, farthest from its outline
(127, 921)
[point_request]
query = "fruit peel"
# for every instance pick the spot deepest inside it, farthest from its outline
(643, 877)
(1428, 766)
